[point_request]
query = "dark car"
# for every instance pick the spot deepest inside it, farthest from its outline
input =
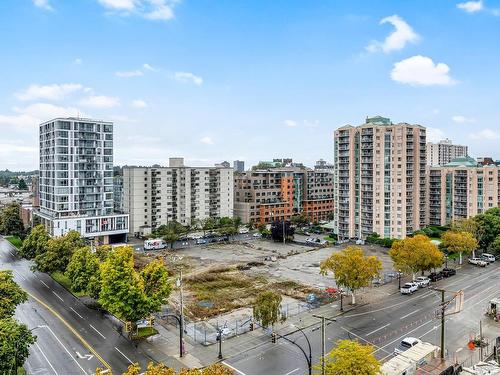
(447, 272)
(435, 276)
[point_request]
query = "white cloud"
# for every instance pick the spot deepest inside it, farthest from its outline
(435, 135)
(32, 115)
(462, 119)
(138, 103)
(100, 101)
(421, 71)
(44, 4)
(485, 135)
(290, 123)
(151, 9)
(207, 141)
(398, 39)
(78, 61)
(149, 67)
(471, 6)
(48, 92)
(118, 4)
(188, 77)
(129, 74)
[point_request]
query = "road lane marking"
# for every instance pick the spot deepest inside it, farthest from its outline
(127, 358)
(407, 315)
(57, 295)
(91, 326)
(44, 356)
(72, 309)
(233, 368)
(82, 340)
(43, 282)
(402, 337)
(291, 372)
(66, 349)
(429, 331)
(18, 274)
(378, 329)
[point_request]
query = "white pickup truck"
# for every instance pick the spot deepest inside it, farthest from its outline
(422, 281)
(478, 262)
(409, 288)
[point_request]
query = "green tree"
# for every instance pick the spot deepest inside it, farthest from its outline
(237, 223)
(495, 246)
(170, 237)
(10, 220)
(58, 252)
(225, 222)
(156, 283)
(488, 227)
(459, 242)
(351, 357)
(414, 254)
(122, 288)
(81, 268)
(11, 294)
(208, 224)
(15, 339)
(21, 185)
(266, 308)
(35, 243)
(299, 221)
(351, 268)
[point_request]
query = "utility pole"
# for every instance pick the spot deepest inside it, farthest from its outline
(480, 340)
(443, 307)
(284, 239)
(323, 340)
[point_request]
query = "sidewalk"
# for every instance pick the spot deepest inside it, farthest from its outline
(167, 342)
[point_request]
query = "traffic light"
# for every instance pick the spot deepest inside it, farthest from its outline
(273, 338)
(251, 326)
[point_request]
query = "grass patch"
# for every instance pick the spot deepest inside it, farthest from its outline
(14, 240)
(62, 279)
(21, 371)
(144, 332)
(328, 238)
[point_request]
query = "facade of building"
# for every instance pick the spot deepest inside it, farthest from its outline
(441, 153)
(323, 165)
(461, 189)
(379, 179)
(239, 166)
(153, 196)
(76, 179)
(265, 195)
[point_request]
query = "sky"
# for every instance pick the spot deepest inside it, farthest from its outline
(250, 80)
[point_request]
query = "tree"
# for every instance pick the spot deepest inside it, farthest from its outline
(15, 339)
(489, 227)
(21, 185)
(83, 266)
(10, 220)
(161, 369)
(266, 308)
(156, 283)
(122, 288)
(299, 220)
(58, 252)
(466, 225)
(495, 246)
(351, 268)
(35, 243)
(170, 237)
(414, 254)
(214, 369)
(237, 223)
(351, 357)
(208, 224)
(11, 295)
(280, 228)
(459, 242)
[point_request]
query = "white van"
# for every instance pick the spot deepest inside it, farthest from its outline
(490, 258)
(156, 244)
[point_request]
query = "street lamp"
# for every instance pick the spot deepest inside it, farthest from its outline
(219, 338)
(177, 259)
(399, 279)
(16, 344)
(308, 358)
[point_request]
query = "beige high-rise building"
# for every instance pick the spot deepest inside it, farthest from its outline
(156, 195)
(462, 189)
(441, 153)
(379, 179)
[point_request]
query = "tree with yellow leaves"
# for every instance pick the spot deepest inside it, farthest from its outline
(414, 254)
(161, 369)
(459, 242)
(351, 268)
(351, 357)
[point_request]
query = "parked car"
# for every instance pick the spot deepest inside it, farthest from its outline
(435, 276)
(409, 288)
(405, 344)
(201, 241)
(478, 262)
(490, 258)
(243, 230)
(422, 281)
(257, 235)
(447, 272)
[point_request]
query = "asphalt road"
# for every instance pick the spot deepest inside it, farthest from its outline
(72, 339)
(384, 324)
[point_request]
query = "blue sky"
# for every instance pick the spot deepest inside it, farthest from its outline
(252, 80)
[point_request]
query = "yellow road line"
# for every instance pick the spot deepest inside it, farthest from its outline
(83, 341)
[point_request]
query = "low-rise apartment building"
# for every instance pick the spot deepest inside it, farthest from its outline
(155, 195)
(264, 195)
(461, 189)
